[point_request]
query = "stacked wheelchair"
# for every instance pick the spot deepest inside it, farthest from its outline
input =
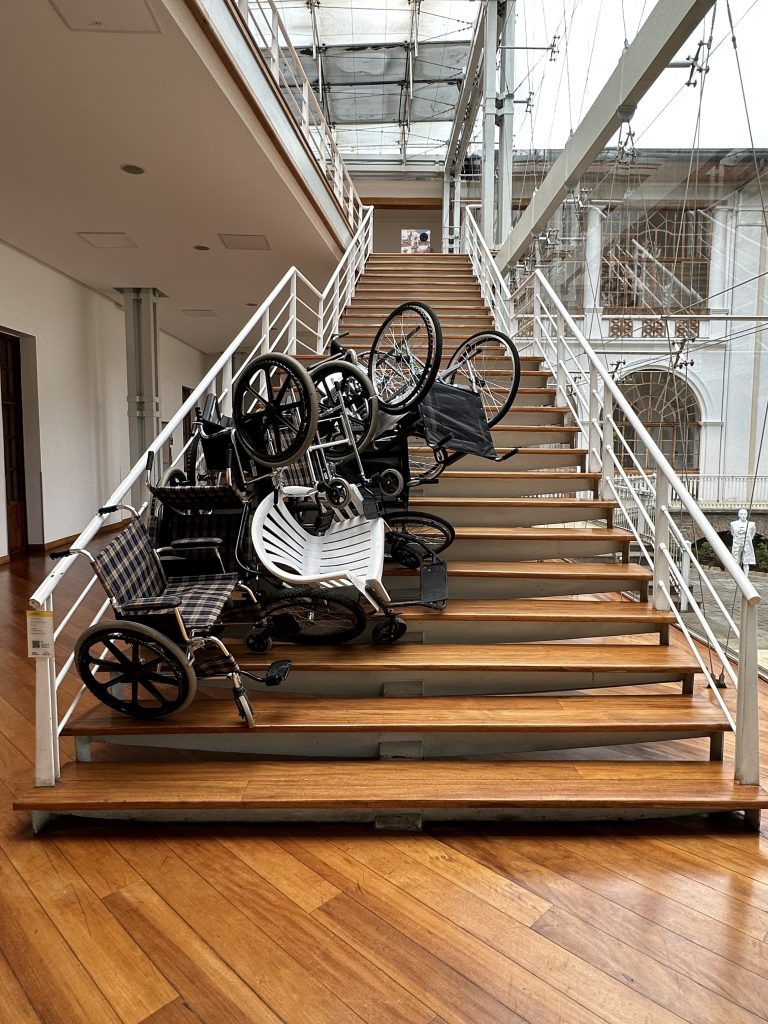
(279, 526)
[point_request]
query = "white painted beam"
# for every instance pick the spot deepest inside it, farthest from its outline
(668, 26)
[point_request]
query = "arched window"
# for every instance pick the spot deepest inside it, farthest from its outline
(669, 411)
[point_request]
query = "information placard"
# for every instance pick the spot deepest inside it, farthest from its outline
(40, 634)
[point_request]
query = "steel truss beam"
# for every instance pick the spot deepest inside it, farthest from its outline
(668, 25)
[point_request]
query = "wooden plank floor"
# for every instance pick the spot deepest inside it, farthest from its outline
(648, 923)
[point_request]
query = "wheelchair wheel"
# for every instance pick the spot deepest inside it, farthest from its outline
(405, 356)
(488, 363)
(432, 531)
(389, 631)
(173, 478)
(314, 615)
(275, 409)
(343, 386)
(135, 669)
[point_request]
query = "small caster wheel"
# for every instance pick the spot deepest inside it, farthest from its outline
(259, 643)
(389, 631)
(243, 705)
(338, 492)
(403, 553)
(391, 483)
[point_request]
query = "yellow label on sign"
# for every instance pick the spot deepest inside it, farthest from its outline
(40, 634)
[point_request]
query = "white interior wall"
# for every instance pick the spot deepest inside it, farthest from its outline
(79, 360)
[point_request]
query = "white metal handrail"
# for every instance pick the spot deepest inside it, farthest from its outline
(649, 492)
(268, 32)
(658, 505)
(274, 326)
(494, 289)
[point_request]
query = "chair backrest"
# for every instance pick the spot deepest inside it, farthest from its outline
(128, 567)
(351, 552)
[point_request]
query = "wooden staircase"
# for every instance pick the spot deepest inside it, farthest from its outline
(482, 709)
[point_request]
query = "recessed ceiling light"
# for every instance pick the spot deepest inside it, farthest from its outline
(107, 239)
(201, 248)
(199, 312)
(252, 242)
(132, 169)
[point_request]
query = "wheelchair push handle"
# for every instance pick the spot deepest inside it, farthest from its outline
(60, 554)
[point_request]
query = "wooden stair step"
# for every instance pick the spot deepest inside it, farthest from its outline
(513, 714)
(508, 483)
(556, 569)
(526, 511)
(525, 579)
(541, 610)
(589, 505)
(526, 457)
(393, 785)
(520, 543)
(560, 658)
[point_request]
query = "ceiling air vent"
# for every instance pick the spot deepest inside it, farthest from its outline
(252, 242)
(199, 312)
(106, 15)
(107, 239)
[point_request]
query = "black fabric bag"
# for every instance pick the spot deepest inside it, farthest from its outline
(454, 418)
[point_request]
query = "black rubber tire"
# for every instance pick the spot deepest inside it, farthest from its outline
(392, 345)
(389, 631)
(174, 477)
(133, 649)
(338, 493)
(488, 363)
(359, 397)
(314, 615)
(258, 642)
(259, 430)
(194, 470)
(433, 531)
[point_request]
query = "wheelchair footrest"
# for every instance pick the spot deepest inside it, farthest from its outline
(434, 582)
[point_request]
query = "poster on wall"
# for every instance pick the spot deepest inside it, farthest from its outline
(415, 240)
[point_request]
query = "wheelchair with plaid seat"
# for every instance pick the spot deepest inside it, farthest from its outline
(147, 660)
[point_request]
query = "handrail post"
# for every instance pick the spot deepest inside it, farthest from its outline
(606, 493)
(291, 349)
(320, 325)
(661, 542)
(561, 379)
(747, 754)
(46, 724)
(275, 45)
(593, 432)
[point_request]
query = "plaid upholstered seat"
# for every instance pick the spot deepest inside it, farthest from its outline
(130, 572)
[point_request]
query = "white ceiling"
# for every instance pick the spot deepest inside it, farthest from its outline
(86, 99)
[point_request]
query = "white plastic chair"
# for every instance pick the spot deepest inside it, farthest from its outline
(350, 553)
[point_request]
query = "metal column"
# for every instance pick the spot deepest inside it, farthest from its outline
(489, 122)
(143, 380)
(447, 240)
(506, 138)
(593, 254)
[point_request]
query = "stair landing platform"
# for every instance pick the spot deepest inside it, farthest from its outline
(364, 790)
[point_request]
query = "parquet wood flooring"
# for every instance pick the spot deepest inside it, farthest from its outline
(645, 922)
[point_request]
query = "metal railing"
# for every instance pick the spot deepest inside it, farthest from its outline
(294, 315)
(653, 503)
(722, 491)
(494, 290)
(268, 32)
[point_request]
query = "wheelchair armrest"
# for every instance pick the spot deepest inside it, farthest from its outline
(194, 543)
(152, 604)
